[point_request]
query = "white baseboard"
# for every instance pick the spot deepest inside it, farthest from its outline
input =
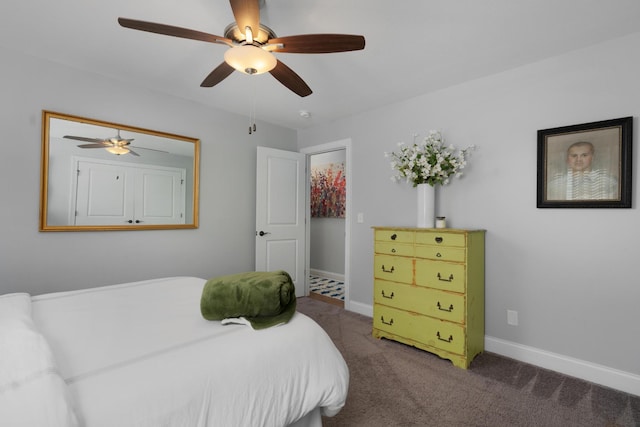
(592, 372)
(588, 371)
(327, 274)
(358, 307)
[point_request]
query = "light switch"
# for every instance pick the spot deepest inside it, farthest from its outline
(360, 218)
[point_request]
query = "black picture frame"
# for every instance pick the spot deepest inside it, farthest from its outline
(587, 165)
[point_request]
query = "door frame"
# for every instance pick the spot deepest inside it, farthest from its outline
(343, 144)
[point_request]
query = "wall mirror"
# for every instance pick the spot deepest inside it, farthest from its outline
(98, 175)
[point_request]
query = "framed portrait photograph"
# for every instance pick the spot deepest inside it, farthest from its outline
(586, 165)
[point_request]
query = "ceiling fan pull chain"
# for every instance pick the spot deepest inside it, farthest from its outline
(254, 105)
(252, 112)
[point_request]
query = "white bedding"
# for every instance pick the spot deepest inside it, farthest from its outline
(32, 392)
(140, 354)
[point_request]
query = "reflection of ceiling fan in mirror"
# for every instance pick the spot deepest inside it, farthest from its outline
(115, 145)
(251, 45)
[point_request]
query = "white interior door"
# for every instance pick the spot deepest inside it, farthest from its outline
(160, 196)
(280, 214)
(104, 194)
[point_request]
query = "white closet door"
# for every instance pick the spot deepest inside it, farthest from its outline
(161, 197)
(104, 194)
(110, 193)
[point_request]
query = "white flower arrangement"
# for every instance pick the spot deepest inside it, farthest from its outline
(429, 162)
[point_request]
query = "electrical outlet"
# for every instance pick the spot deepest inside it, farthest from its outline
(512, 318)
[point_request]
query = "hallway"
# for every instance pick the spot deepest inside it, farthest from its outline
(325, 289)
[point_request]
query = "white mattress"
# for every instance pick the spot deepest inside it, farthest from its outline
(140, 354)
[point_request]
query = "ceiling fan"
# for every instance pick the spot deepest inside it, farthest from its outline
(251, 45)
(115, 145)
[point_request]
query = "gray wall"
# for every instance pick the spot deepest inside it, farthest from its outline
(37, 262)
(570, 273)
(326, 245)
(327, 235)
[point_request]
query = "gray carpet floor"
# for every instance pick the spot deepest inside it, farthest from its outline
(392, 384)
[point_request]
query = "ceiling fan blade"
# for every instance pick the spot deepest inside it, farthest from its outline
(94, 145)
(319, 43)
(83, 138)
(247, 14)
(220, 73)
(290, 79)
(144, 148)
(170, 30)
(133, 152)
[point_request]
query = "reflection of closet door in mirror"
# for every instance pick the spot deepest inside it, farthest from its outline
(160, 196)
(116, 194)
(104, 195)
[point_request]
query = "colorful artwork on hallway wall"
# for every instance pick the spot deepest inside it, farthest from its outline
(328, 190)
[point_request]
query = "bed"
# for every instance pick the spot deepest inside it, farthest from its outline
(141, 354)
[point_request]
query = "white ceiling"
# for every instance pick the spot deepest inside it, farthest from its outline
(412, 46)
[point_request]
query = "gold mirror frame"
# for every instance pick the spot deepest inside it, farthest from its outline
(152, 150)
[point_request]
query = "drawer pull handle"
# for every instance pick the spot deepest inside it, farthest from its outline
(394, 236)
(438, 255)
(442, 339)
(439, 239)
(390, 322)
(393, 250)
(450, 309)
(388, 297)
(450, 279)
(387, 270)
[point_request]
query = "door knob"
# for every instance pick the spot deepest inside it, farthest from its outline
(262, 233)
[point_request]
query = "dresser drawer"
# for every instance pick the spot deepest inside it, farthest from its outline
(397, 236)
(440, 253)
(393, 268)
(393, 248)
(440, 238)
(447, 276)
(418, 299)
(447, 336)
(436, 333)
(397, 322)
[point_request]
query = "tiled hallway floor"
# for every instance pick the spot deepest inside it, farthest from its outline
(330, 288)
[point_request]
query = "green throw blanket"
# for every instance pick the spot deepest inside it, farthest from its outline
(263, 298)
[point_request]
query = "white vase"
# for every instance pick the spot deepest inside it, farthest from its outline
(426, 205)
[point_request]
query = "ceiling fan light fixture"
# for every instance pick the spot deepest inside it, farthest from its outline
(249, 35)
(117, 150)
(249, 59)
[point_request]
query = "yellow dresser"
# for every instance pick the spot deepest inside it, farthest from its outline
(429, 290)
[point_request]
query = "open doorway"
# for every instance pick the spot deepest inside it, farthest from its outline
(328, 179)
(328, 194)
